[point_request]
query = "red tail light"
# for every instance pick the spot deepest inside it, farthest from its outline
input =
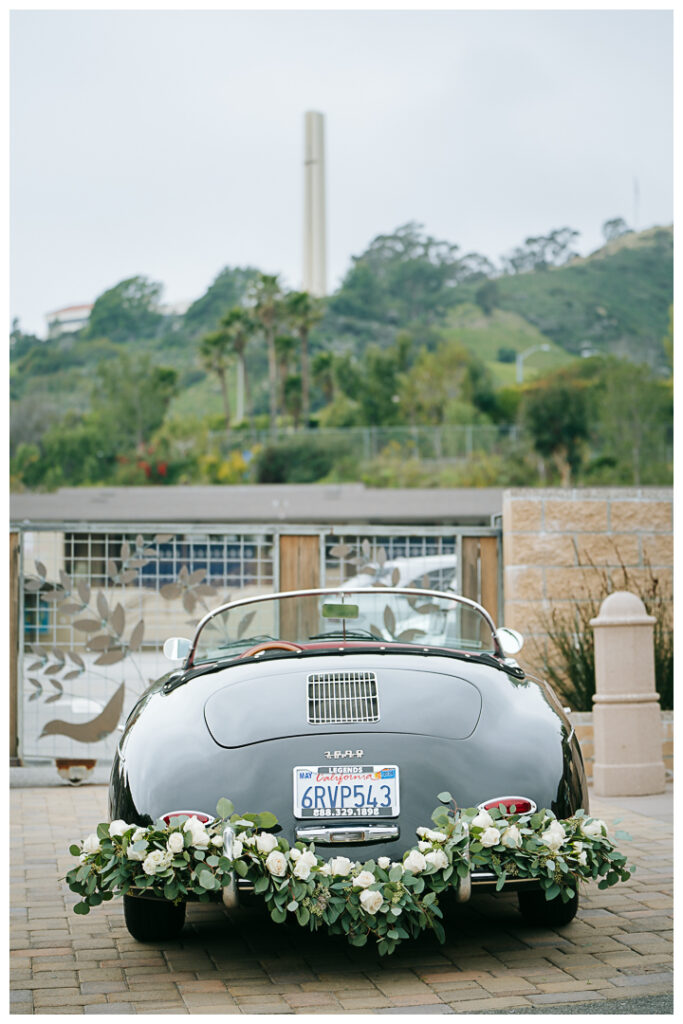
(521, 804)
(204, 818)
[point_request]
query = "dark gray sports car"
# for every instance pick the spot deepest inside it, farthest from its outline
(345, 713)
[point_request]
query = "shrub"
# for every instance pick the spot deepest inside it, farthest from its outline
(570, 662)
(299, 460)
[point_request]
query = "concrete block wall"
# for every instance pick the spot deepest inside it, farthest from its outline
(583, 723)
(557, 541)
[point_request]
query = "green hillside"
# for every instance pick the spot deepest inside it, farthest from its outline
(487, 335)
(615, 301)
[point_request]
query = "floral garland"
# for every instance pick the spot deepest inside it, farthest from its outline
(390, 900)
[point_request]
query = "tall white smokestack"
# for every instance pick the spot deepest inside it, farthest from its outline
(315, 259)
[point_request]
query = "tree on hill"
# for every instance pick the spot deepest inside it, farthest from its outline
(216, 353)
(266, 303)
(228, 290)
(443, 386)
(406, 277)
(131, 396)
(127, 311)
(540, 252)
(556, 413)
(239, 327)
(304, 313)
(615, 228)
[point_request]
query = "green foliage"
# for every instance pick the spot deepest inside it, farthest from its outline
(227, 291)
(405, 277)
(617, 299)
(388, 902)
(301, 460)
(127, 311)
(506, 355)
(131, 397)
(570, 659)
(542, 251)
(556, 414)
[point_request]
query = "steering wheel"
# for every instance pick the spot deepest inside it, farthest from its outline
(271, 645)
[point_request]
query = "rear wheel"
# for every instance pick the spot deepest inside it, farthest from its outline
(153, 920)
(537, 910)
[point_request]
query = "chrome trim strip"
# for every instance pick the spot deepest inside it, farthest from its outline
(230, 897)
(353, 834)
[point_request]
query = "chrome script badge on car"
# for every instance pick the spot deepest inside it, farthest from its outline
(334, 755)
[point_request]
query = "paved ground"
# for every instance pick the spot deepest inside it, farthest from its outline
(616, 957)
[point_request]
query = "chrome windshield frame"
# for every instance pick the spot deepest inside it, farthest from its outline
(456, 598)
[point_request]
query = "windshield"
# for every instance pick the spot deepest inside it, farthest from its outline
(421, 618)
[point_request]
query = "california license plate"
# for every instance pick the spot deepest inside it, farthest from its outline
(346, 791)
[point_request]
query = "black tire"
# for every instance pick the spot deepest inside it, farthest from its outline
(537, 910)
(153, 920)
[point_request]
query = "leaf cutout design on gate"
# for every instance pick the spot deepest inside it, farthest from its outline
(103, 628)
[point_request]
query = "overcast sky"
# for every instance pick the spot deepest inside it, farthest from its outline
(170, 143)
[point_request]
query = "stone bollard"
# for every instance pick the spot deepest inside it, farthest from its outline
(627, 724)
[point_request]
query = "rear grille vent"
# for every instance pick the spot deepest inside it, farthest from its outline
(342, 697)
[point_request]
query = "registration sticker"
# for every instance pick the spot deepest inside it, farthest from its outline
(346, 791)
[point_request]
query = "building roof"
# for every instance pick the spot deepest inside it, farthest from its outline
(314, 504)
(70, 309)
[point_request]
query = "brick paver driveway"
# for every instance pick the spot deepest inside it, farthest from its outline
(620, 945)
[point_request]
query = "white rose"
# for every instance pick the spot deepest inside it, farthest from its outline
(276, 862)
(423, 845)
(422, 831)
(83, 857)
(139, 834)
(482, 820)
(136, 854)
(383, 862)
(415, 862)
(237, 848)
(583, 858)
(176, 843)
(325, 870)
(302, 869)
(340, 865)
(593, 827)
(396, 864)
(307, 857)
(436, 837)
(511, 837)
(217, 840)
(91, 844)
(249, 840)
(157, 860)
(294, 853)
(490, 837)
(371, 901)
(438, 858)
(200, 837)
(554, 836)
(265, 842)
(364, 879)
(118, 827)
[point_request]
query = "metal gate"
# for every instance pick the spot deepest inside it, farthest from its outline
(93, 604)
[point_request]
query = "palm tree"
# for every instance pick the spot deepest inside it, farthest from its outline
(304, 312)
(215, 354)
(266, 299)
(285, 347)
(239, 326)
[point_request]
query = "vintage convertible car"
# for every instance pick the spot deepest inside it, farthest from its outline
(345, 712)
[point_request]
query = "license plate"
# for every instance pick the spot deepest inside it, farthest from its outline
(346, 791)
